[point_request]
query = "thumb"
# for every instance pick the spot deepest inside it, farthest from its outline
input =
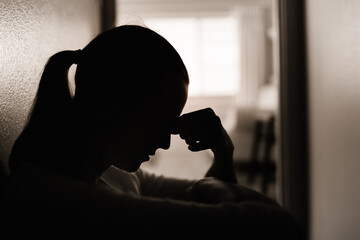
(196, 147)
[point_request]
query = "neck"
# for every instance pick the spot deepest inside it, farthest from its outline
(84, 160)
(85, 164)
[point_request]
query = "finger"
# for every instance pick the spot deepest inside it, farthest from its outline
(208, 133)
(206, 112)
(186, 134)
(187, 120)
(190, 141)
(198, 147)
(175, 126)
(191, 136)
(201, 145)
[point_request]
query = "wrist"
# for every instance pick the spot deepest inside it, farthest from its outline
(224, 149)
(223, 155)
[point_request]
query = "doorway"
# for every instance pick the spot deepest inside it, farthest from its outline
(231, 50)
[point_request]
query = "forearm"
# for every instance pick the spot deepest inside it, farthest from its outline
(222, 168)
(250, 219)
(223, 164)
(153, 185)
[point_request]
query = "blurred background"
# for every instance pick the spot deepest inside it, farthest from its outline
(230, 49)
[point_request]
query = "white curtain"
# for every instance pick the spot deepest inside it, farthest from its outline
(252, 36)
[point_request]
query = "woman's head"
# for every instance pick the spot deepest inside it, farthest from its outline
(127, 62)
(130, 81)
(130, 84)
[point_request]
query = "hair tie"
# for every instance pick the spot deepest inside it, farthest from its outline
(77, 56)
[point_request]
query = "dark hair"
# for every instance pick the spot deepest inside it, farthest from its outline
(129, 59)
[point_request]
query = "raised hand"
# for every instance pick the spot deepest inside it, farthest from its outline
(202, 130)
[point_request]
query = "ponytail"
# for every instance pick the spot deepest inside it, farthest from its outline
(53, 97)
(50, 114)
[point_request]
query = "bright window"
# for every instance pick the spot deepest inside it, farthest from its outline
(209, 48)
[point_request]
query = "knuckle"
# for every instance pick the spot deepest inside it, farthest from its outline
(217, 119)
(210, 111)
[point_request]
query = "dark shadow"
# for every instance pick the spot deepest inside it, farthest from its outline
(75, 168)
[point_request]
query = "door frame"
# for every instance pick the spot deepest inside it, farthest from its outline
(294, 110)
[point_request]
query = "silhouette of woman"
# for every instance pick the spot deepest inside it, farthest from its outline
(75, 167)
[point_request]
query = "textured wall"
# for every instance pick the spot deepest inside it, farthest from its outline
(30, 32)
(334, 84)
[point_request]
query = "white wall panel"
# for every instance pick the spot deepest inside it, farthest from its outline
(30, 32)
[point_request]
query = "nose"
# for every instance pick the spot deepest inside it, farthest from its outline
(164, 142)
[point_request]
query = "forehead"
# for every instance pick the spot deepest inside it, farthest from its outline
(166, 104)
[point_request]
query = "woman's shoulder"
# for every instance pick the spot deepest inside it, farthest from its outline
(32, 186)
